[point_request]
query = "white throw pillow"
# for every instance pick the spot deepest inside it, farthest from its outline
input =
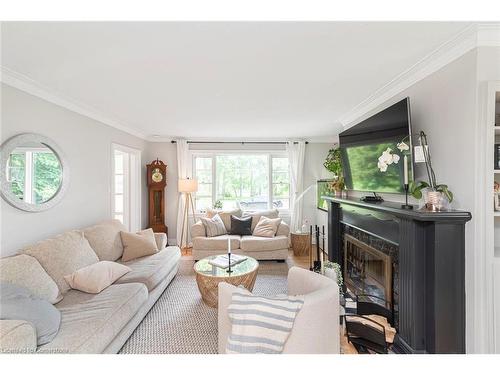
(214, 226)
(266, 227)
(137, 245)
(225, 216)
(96, 277)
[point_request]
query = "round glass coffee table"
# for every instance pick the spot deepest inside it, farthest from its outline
(208, 277)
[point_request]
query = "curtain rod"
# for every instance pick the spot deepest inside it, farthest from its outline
(239, 143)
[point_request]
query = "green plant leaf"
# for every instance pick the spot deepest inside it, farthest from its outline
(417, 193)
(448, 194)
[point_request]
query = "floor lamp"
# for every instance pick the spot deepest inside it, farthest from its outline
(187, 187)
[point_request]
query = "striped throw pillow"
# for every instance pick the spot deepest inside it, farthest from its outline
(261, 324)
(214, 226)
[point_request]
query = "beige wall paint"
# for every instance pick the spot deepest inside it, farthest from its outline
(87, 146)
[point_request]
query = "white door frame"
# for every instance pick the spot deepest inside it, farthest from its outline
(483, 220)
(132, 186)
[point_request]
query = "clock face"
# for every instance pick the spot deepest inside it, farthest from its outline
(157, 176)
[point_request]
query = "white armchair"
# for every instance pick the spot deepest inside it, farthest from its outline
(316, 328)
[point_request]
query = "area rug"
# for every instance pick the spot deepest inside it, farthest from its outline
(181, 323)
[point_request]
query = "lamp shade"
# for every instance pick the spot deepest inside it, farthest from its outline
(188, 185)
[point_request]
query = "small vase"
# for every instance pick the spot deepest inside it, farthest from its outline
(436, 201)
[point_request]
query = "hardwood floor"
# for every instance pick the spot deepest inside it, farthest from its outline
(303, 262)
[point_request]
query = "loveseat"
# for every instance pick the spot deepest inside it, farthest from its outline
(90, 323)
(261, 248)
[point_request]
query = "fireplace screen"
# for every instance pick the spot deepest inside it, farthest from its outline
(367, 270)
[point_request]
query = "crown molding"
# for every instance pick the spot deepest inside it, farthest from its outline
(160, 138)
(169, 139)
(477, 35)
(26, 84)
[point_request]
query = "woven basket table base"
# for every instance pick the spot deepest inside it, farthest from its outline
(209, 285)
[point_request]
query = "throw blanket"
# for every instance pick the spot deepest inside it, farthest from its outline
(261, 324)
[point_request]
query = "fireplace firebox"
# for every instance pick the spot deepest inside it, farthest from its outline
(367, 270)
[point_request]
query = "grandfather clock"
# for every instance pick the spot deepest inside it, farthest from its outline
(156, 174)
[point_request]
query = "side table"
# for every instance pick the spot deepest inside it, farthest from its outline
(301, 243)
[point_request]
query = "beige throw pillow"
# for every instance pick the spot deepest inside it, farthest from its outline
(24, 270)
(104, 238)
(256, 215)
(137, 245)
(63, 255)
(266, 227)
(96, 277)
(214, 226)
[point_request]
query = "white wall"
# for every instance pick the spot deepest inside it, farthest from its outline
(313, 171)
(87, 146)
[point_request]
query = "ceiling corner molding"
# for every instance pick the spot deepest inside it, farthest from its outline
(487, 34)
(30, 86)
(159, 138)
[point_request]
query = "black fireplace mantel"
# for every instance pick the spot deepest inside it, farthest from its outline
(431, 268)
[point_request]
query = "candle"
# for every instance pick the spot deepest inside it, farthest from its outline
(322, 263)
(406, 169)
(229, 246)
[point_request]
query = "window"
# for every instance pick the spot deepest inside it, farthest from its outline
(34, 174)
(125, 195)
(248, 181)
(203, 168)
(281, 183)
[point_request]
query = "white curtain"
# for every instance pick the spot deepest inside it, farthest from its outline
(183, 170)
(296, 156)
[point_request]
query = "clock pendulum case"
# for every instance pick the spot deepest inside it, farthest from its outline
(156, 178)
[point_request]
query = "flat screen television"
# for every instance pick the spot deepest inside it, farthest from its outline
(362, 145)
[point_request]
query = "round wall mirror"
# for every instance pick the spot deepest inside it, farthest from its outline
(34, 174)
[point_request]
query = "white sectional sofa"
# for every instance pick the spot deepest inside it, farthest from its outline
(261, 248)
(90, 323)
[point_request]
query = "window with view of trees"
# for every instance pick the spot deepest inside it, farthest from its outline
(248, 181)
(34, 174)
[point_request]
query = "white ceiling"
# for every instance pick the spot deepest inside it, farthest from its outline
(220, 80)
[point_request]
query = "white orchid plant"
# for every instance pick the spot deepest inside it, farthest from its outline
(388, 157)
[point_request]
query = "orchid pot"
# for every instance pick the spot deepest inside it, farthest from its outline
(433, 200)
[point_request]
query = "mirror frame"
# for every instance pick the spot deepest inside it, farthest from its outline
(6, 149)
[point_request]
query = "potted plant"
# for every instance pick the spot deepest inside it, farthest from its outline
(333, 271)
(333, 163)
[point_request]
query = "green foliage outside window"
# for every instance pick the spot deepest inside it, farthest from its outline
(16, 172)
(242, 178)
(47, 176)
(46, 179)
(365, 174)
